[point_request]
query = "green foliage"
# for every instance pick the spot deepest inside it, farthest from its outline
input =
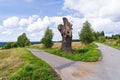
(116, 36)
(10, 45)
(86, 34)
(102, 39)
(87, 54)
(47, 38)
(118, 42)
(23, 40)
(32, 68)
(98, 35)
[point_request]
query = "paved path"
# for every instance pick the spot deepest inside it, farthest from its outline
(106, 69)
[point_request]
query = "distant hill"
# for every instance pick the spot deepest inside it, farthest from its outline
(3, 43)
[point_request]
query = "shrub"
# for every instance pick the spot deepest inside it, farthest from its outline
(102, 39)
(86, 34)
(118, 42)
(10, 45)
(23, 40)
(47, 38)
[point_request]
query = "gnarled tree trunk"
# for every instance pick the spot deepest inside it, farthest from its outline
(66, 33)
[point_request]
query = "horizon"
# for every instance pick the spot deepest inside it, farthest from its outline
(34, 16)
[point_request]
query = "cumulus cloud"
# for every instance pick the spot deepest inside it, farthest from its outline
(95, 8)
(39, 25)
(28, 21)
(102, 14)
(11, 22)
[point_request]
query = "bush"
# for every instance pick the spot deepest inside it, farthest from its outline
(10, 45)
(102, 39)
(118, 42)
(47, 38)
(23, 40)
(86, 34)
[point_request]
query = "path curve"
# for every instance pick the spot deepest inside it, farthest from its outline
(106, 69)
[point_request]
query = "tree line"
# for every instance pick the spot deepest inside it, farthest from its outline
(87, 35)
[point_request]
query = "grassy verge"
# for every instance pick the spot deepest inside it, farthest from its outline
(20, 64)
(112, 43)
(87, 54)
(82, 53)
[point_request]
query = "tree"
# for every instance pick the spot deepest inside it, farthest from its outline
(66, 33)
(99, 36)
(102, 33)
(86, 34)
(47, 38)
(7, 46)
(23, 41)
(10, 45)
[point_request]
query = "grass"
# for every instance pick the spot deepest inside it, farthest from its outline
(112, 43)
(88, 54)
(58, 45)
(20, 64)
(82, 53)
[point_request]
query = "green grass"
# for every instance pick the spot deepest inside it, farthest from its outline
(114, 46)
(87, 54)
(82, 53)
(112, 43)
(20, 64)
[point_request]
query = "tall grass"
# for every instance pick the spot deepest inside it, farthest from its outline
(112, 43)
(20, 64)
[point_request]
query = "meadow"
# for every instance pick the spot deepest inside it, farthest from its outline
(20, 64)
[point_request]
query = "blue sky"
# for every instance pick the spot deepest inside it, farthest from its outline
(25, 8)
(34, 16)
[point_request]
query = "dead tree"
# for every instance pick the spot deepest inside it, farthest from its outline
(66, 33)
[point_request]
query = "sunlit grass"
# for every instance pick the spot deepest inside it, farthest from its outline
(87, 53)
(20, 64)
(58, 45)
(112, 43)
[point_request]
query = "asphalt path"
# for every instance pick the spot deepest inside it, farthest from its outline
(108, 68)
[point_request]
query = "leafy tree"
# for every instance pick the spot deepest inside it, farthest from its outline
(23, 41)
(99, 35)
(7, 46)
(10, 45)
(47, 38)
(14, 45)
(86, 34)
(116, 36)
(102, 33)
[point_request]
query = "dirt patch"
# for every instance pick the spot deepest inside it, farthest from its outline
(82, 74)
(87, 64)
(82, 71)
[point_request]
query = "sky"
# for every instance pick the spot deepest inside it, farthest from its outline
(34, 16)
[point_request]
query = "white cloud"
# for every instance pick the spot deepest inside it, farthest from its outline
(11, 22)
(28, 21)
(8, 32)
(1, 28)
(102, 14)
(94, 8)
(39, 25)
